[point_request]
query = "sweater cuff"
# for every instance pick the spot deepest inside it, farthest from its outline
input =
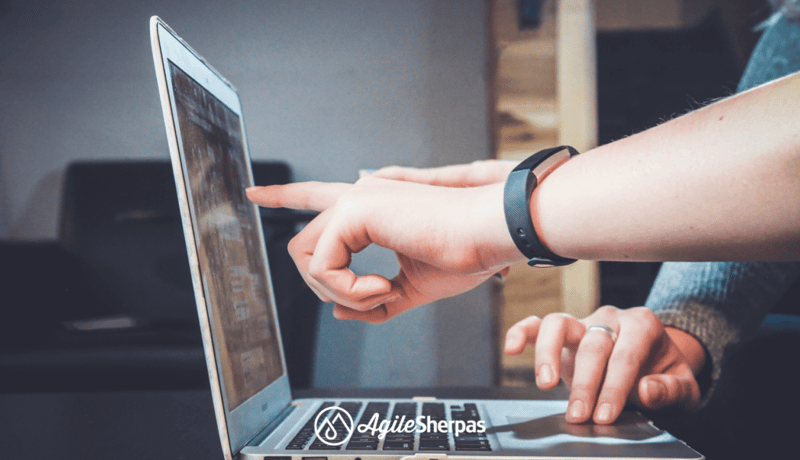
(713, 331)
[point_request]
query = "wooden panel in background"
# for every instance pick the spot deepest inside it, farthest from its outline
(538, 105)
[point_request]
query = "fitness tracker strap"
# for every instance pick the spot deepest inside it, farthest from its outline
(516, 202)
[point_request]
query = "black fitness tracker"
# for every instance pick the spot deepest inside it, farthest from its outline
(516, 202)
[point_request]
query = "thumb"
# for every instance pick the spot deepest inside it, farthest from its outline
(661, 390)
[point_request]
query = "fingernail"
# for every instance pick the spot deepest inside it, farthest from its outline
(604, 413)
(250, 189)
(366, 172)
(655, 392)
(545, 375)
(576, 409)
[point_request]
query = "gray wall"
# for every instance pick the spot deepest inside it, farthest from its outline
(330, 87)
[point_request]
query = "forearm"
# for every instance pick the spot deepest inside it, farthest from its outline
(721, 183)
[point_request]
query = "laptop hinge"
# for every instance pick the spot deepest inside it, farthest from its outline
(262, 435)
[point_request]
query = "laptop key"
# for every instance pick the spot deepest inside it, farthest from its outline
(317, 445)
(434, 445)
(362, 438)
(398, 445)
(360, 445)
(400, 437)
(433, 436)
(484, 442)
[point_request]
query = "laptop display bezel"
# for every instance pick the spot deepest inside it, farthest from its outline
(242, 423)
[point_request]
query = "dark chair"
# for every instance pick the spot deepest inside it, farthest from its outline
(111, 306)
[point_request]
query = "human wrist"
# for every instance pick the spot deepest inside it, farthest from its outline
(494, 243)
(690, 347)
(518, 203)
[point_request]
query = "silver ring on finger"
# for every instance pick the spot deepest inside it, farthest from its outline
(604, 328)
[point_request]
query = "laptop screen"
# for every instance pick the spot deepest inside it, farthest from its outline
(227, 238)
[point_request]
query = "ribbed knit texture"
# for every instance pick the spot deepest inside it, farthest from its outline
(724, 303)
(720, 303)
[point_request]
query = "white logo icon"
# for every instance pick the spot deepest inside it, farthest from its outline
(325, 427)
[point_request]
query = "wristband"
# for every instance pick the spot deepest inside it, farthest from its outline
(516, 203)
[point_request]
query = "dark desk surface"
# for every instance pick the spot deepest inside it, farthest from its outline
(156, 425)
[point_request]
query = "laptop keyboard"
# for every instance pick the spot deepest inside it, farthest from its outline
(396, 439)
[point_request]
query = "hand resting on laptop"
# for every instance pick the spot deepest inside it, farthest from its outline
(646, 363)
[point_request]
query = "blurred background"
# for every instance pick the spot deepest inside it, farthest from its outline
(331, 87)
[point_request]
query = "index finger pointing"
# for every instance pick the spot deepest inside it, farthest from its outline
(306, 196)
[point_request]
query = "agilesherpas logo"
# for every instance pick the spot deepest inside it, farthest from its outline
(329, 428)
(329, 432)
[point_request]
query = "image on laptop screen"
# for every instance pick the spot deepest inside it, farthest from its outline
(227, 238)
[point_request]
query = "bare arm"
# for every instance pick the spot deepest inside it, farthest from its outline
(720, 183)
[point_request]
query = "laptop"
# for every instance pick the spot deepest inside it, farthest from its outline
(255, 413)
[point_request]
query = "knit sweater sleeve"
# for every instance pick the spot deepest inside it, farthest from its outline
(720, 303)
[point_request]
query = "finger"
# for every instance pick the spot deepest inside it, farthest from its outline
(590, 366)
(306, 196)
(466, 175)
(404, 296)
(402, 299)
(556, 331)
(302, 249)
(394, 306)
(364, 292)
(324, 261)
(521, 334)
(639, 332)
(661, 390)
(407, 174)
(376, 315)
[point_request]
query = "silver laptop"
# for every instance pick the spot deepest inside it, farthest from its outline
(256, 415)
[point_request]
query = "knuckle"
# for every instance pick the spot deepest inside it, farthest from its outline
(370, 178)
(648, 323)
(583, 391)
(308, 199)
(625, 359)
(557, 318)
(293, 246)
(390, 169)
(529, 321)
(613, 394)
(360, 306)
(593, 344)
(315, 271)
(607, 310)
(643, 315)
(347, 203)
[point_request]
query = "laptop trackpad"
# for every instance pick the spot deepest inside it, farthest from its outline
(628, 426)
(542, 424)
